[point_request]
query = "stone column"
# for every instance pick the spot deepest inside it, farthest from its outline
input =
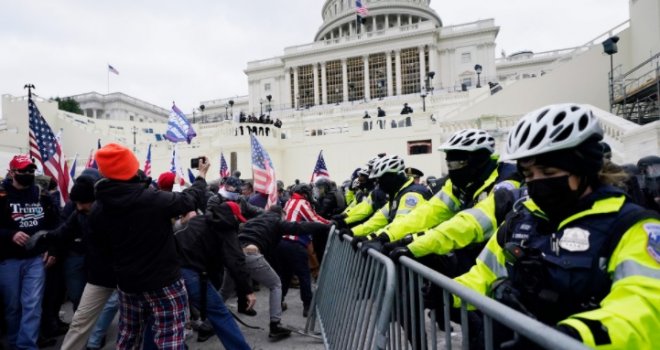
(324, 84)
(296, 92)
(388, 70)
(387, 21)
(367, 87)
(422, 68)
(315, 71)
(344, 79)
(398, 71)
(398, 20)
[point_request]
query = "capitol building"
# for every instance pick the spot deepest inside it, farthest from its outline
(399, 53)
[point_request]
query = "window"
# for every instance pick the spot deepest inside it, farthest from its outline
(293, 91)
(306, 85)
(334, 83)
(410, 83)
(466, 57)
(420, 147)
(467, 82)
(355, 71)
(378, 75)
(267, 87)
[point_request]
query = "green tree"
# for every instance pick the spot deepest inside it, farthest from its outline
(68, 104)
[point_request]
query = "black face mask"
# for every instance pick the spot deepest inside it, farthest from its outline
(554, 196)
(462, 177)
(389, 183)
(24, 180)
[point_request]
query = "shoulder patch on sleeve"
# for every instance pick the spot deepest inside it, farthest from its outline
(504, 184)
(411, 201)
(653, 246)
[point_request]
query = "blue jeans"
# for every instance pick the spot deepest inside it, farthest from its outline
(222, 321)
(103, 323)
(75, 277)
(22, 288)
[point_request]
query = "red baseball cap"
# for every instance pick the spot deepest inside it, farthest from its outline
(21, 162)
(166, 181)
(236, 210)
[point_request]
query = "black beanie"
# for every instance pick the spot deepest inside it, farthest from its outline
(83, 190)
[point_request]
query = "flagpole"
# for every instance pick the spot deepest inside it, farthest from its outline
(108, 72)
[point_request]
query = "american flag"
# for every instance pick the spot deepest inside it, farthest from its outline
(263, 172)
(176, 168)
(224, 169)
(179, 127)
(147, 163)
(112, 69)
(45, 148)
(320, 169)
(361, 9)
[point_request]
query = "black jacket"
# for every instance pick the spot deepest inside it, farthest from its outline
(28, 210)
(134, 224)
(209, 242)
(265, 231)
(77, 229)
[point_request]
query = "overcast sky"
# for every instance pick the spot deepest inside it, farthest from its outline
(191, 51)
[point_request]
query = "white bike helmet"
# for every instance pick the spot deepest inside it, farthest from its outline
(469, 140)
(387, 164)
(364, 171)
(551, 128)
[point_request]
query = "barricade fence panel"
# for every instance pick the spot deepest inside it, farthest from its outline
(353, 298)
(365, 301)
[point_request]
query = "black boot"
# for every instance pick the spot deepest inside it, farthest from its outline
(277, 331)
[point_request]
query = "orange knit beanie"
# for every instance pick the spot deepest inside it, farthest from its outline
(117, 162)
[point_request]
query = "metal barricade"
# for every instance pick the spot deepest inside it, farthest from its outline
(368, 302)
(410, 328)
(354, 297)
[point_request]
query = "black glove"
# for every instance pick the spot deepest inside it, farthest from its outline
(569, 331)
(372, 244)
(339, 220)
(399, 252)
(344, 231)
(389, 247)
(356, 240)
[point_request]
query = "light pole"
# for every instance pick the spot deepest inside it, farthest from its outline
(134, 138)
(231, 108)
(610, 48)
(423, 95)
(478, 68)
(226, 113)
(268, 108)
(201, 109)
(429, 79)
(261, 106)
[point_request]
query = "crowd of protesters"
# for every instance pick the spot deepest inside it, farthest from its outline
(167, 255)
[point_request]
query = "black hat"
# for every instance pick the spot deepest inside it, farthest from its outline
(83, 190)
(414, 172)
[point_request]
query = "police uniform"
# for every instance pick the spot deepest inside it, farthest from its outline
(582, 275)
(407, 198)
(449, 201)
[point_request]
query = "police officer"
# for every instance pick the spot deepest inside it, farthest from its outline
(474, 172)
(375, 198)
(403, 197)
(577, 255)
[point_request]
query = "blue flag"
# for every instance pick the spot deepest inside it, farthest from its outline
(191, 176)
(179, 127)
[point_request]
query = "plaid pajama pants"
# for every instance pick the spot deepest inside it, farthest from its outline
(164, 310)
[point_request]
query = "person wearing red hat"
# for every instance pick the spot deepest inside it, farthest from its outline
(133, 222)
(166, 181)
(24, 211)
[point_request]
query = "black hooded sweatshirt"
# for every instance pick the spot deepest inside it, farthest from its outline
(134, 224)
(209, 243)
